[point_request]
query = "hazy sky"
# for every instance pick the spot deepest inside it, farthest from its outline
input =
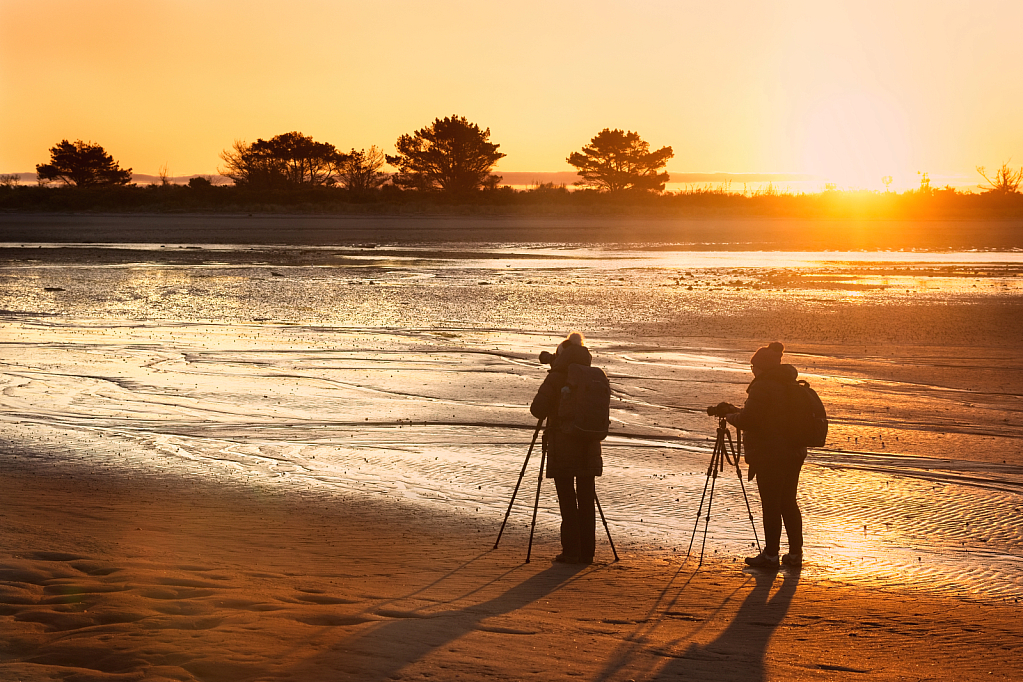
(849, 91)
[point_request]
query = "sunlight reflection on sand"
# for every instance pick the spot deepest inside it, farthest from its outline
(434, 413)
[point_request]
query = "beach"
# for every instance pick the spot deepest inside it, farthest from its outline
(250, 461)
(114, 577)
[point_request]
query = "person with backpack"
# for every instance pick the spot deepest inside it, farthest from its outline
(772, 422)
(571, 440)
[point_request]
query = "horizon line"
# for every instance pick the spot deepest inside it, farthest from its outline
(568, 178)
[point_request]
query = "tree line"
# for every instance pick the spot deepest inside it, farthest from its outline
(451, 161)
(451, 155)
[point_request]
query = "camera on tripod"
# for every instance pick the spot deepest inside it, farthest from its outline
(721, 410)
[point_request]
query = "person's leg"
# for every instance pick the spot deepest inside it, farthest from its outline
(569, 516)
(586, 496)
(789, 508)
(770, 504)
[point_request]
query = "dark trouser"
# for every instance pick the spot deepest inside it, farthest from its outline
(777, 484)
(576, 497)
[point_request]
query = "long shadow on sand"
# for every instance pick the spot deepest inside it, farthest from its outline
(743, 644)
(382, 651)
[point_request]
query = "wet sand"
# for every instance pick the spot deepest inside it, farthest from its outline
(158, 577)
(248, 466)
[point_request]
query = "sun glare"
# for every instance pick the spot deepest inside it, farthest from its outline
(855, 139)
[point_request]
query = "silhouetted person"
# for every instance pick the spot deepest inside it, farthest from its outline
(572, 462)
(772, 458)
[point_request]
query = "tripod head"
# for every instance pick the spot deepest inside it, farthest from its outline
(725, 449)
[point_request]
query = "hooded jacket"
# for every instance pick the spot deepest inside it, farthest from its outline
(567, 455)
(765, 417)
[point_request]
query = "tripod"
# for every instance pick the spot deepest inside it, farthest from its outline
(536, 501)
(724, 451)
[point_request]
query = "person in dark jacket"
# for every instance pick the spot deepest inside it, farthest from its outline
(771, 455)
(573, 463)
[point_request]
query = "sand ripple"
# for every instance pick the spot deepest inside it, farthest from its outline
(439, 420)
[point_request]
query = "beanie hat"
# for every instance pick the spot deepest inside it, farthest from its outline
(768, 356)
(573, 339)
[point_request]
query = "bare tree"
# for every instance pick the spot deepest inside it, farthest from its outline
(1005, 181)
(242, 167)
(164, 174)
(359, 171)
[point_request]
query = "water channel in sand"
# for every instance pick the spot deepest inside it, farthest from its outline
(407, 373)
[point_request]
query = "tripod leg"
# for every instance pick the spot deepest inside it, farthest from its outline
(749, 511)
(521, 474)
(536, 503)
(606, 529)
(738, 474)
(699, 510)
(719, 453)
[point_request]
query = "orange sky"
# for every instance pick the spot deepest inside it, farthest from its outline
(846, 91)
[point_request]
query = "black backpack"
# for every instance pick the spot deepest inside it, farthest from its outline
(808, 420)
(585, 407)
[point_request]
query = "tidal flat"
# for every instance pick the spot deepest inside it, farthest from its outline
(269, 461)
(405, 373)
